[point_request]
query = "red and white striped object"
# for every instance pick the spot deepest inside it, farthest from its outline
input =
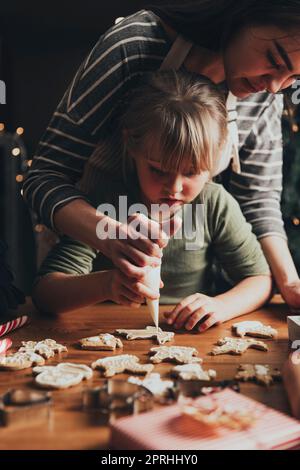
(5, 344)
(13, 324)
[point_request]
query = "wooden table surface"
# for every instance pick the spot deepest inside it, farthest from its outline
(72, 428)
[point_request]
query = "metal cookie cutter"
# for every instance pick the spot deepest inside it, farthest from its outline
(19, 406)
(118, 395)
(196, 388)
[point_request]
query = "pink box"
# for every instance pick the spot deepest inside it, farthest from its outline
(167, 429)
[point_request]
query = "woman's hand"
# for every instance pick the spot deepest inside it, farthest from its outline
(127, 291)
(196, 310)
(131, 246)
(291, 294)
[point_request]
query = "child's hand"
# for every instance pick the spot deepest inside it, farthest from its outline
(131, 250)
(194, 309)
(128, 291)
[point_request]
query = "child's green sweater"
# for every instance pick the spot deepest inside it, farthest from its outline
(227, 240)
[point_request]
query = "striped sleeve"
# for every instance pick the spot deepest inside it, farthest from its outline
(259, 186)
(135, 46)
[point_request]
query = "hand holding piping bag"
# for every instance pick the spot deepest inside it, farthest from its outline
(170, 227)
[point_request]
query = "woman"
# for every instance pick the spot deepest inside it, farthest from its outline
(251, 46)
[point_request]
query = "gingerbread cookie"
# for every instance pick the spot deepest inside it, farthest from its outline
(149, 332)
(119, 364)
(86, 371)
(237, 346)
(261, 374)
(180, 354)
(154, 383)
(21, 360)
(46, 348)
(254, 328)
(193, 372)
(101, 342)
(62, 376)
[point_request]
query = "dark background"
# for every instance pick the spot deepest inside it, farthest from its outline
(42, 43)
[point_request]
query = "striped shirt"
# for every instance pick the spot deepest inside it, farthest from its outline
(85, 116)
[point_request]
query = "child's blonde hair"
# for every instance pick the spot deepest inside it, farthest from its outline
(184, 114)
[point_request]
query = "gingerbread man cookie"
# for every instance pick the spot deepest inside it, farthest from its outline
(254, 328)
(148, 333)
(119, 364)
(180, 354)
(237, 346)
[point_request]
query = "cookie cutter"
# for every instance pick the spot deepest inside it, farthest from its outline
(196, 388)
(118, 396)
(19, 406)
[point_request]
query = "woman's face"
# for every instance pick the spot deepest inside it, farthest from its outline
(261, 58)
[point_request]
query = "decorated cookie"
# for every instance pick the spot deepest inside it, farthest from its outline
(237, 346)
(149, 332)
(20, 360)
(154, 383)
(123, 363)
(101, 342)
(180, 354)
(46, 348)
(261, 374)
(254, 328)
(64, 375)
(66, 367)
(193, 372)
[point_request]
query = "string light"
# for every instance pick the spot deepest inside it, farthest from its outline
(296, 221)
(39, 228)
(295, 127)
(20, 131)
(2, 126)
(19, 178)
(16, 151)
(29, 163)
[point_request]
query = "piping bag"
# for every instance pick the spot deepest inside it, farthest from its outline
(153, 276)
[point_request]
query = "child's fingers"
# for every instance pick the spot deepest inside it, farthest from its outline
(185, 314)
(197, 316)
(129, 269)
(124, 301)
(148, 229)
(138, 288)
(211, 320)
(140, 259)
(179, 307)
(147, 246)
(132, 296)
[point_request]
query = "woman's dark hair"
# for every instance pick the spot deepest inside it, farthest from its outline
(211, 23)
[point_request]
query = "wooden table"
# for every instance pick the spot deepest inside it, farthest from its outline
(72, 428)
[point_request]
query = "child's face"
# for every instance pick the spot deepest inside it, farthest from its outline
(164, 187)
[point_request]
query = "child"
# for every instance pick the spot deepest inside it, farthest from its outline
(168, 143)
